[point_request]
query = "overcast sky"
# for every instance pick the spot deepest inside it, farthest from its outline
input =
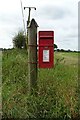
(60, 16)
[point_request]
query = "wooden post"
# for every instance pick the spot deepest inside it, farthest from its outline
(32, 55)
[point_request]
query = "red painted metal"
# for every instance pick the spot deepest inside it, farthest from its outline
(46, 49)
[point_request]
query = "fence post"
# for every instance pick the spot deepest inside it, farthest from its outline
(32, 55)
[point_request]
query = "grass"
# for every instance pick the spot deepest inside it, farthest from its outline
(57, 87)
(0, 82)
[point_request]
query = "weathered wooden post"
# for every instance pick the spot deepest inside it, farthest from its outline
(32, 55)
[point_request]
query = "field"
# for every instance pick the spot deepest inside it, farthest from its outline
(57, 87)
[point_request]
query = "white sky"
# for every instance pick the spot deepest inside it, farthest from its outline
(61, 16)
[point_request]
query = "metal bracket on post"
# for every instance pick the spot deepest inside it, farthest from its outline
(28, 21)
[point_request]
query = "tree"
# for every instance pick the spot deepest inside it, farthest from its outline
(55, 47)
(19, 40)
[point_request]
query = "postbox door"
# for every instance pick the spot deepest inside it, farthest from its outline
(46, 57)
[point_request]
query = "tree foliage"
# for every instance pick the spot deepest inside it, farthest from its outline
(19, 40)
(55, 46)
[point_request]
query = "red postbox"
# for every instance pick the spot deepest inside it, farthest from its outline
(46, 49)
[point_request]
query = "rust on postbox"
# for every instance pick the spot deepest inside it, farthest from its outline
(46, 49)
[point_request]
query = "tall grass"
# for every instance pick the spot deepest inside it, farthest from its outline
(0, 84)
(57, 95)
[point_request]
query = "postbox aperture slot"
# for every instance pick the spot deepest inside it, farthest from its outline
(46, 47)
